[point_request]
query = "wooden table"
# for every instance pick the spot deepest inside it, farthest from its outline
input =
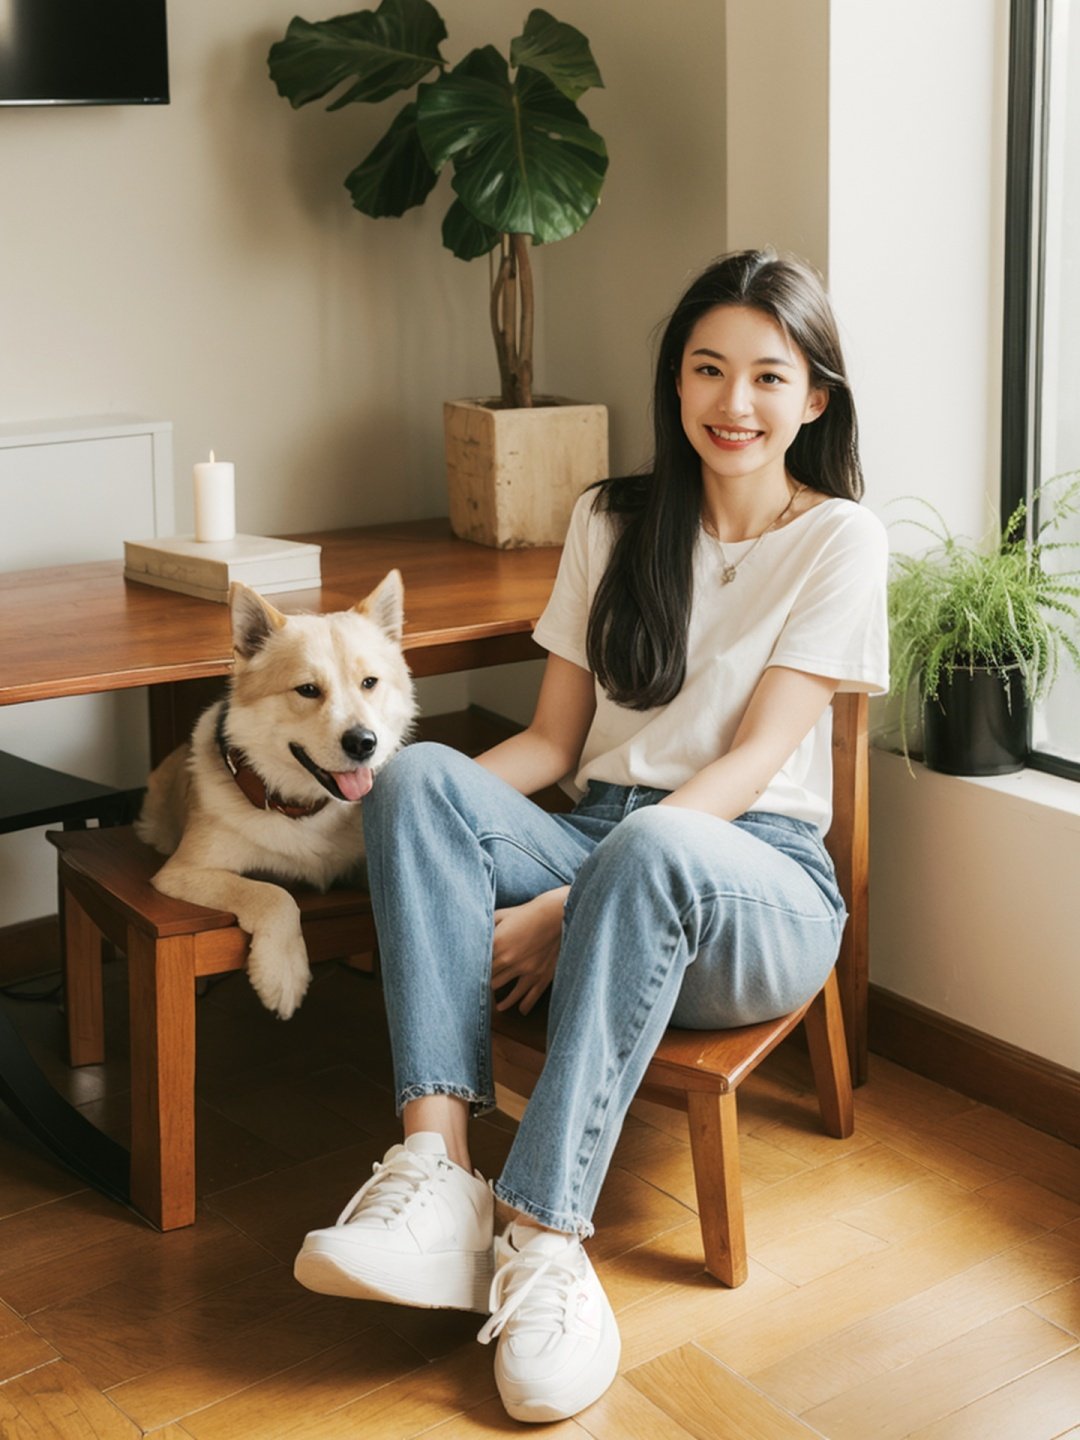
(83, 629)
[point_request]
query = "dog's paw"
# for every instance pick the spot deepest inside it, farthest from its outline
(279, 973)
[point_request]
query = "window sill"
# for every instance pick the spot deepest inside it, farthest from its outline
(1027, 789)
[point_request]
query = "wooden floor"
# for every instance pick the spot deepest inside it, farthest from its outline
(921, 1279)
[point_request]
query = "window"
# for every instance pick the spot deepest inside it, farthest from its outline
(1041, 371)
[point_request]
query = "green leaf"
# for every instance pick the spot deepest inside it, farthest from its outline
(525, 159)
(396, 175)
(465, 237)
(558, 51)
(383, 51)
(449, 118)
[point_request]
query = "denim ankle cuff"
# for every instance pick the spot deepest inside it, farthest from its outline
(553, 1219)
(478, 1104)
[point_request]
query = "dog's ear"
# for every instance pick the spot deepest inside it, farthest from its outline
(386, 605)
(253, 620)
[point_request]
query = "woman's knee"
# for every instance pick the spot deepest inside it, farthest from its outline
(414, 774)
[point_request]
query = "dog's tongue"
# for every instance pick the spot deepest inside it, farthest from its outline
(354, 784)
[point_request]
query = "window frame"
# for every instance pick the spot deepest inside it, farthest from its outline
(1025, 214)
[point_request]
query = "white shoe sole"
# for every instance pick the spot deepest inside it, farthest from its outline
(560, 1403)
(456, 1280)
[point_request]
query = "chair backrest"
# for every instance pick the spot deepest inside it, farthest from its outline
(848, 842)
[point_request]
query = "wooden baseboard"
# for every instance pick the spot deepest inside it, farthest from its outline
(28, 949)
(1037, 1091)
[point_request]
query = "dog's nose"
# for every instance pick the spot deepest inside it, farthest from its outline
(359, 742)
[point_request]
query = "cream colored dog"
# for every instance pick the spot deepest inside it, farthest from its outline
(271, 780)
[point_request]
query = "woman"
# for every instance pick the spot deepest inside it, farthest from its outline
(703, 617)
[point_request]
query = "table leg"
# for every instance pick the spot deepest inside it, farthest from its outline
(174, 709)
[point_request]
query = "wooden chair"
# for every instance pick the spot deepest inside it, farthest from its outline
(105, 880)
(700, 1071)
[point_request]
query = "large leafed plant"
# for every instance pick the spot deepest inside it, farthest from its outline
(526, 165)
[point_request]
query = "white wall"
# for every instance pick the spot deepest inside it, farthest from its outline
(917, 110)
(973, 912)
(871, 137)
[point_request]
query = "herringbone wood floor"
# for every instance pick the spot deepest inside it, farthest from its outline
(921, 1279)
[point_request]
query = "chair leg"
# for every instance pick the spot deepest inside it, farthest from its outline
(83, 998)
(827, 1043)
(161, 980)
(714, 1146)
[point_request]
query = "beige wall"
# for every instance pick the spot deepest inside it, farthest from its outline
(663, 213)
(201, 262)
(778, 126)
(662, 217)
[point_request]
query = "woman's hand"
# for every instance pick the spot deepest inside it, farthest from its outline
(526, 948)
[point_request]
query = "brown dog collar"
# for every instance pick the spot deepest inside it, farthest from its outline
(252, 785)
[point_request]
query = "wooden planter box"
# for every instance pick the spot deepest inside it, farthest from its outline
(513, 475)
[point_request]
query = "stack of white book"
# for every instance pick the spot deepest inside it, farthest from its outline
(206, 568)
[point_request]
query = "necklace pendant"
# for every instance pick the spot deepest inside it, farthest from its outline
(727, 574)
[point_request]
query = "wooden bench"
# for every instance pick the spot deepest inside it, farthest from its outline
(105, 880)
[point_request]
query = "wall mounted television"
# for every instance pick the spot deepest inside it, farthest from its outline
(83, 52)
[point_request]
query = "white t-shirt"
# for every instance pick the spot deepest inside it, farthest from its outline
(810, 597)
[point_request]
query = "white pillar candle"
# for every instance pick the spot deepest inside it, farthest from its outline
(215, 500)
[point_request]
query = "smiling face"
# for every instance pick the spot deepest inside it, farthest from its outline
(744, 391)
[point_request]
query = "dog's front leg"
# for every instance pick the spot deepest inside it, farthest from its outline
(277, 958)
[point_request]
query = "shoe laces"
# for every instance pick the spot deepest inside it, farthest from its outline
(395, 1186)
(533, 1289)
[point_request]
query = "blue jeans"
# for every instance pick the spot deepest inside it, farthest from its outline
(674, 917)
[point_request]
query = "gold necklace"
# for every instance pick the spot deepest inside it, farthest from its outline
(729, 570)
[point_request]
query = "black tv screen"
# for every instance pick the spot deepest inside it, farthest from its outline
(83, 52)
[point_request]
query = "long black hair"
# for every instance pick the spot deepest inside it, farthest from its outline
(636, 639)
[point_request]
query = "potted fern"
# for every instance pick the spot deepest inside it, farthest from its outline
(978, 632)
(526, 168)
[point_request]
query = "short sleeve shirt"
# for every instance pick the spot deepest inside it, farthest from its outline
(810, 596)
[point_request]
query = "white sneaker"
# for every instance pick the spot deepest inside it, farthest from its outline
(419, 1233)
(558, 1340)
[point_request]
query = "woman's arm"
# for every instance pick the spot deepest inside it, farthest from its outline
(783, 709)
(551, 745)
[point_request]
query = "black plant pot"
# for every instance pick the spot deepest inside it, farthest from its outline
(978, 724)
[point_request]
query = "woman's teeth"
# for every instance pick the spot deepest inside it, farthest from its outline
(732, 434)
